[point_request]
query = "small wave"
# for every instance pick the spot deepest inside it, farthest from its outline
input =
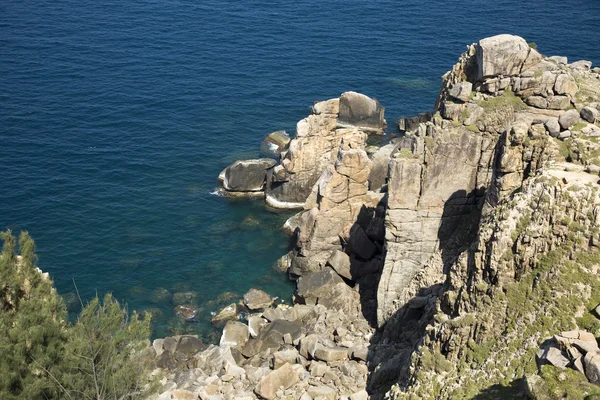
(217, 192)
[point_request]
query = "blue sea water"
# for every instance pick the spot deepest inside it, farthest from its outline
(117, 116)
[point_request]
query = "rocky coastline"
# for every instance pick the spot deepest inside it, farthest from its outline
(414, 258)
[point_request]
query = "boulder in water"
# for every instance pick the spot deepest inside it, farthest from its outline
(246, 175)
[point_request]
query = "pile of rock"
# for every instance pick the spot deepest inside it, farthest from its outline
(573, 349)
(560, 95)
(300, 352)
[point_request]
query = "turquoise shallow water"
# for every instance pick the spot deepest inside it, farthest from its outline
(117, 116)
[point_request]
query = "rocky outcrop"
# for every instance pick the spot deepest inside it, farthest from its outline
(349, 119)
(456, 240)
(316, 145)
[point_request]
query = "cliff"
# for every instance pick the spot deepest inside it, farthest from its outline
(437, 264)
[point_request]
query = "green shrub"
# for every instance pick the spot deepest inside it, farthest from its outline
(42, 356)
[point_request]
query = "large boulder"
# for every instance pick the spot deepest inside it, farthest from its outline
(506, 55)
(285, 376)
(589, 114)
(566, 84)
(271, 337)
(226, 314)
(235, 334)
(591, 363)
(246, 175)
(256, 299)
(356, 109)
(316, 284)
(461, 91)
(568, 119)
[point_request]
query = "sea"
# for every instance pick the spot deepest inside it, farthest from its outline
(116, 118)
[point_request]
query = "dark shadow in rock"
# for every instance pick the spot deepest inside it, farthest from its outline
(514, 390)
(365, 247)
(392, 346)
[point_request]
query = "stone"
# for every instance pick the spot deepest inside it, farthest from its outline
(340, 262)
(182, 394)
(566, 84)
(190, 344)
(359, 110)
(474, 112)
(318, 368)
(256, 299)
(186, 298)
(362, 395)
(275, 143)
(582, 65)
(285, 376)
(461, 91)
(564, 134)
(246, 175)
(537, 101)
(255, 324)
(235, 334)
(589, 114)
(331, 106)
(560, 60)
(226, 314)
(308, 345)
(212, 360)
(315, 146)
(158, 346)
(553, 356)
(271, 337)
(577, 365)
(505, 55)
(282, 357)
(330, 354)
(558, 102)
(311, 286)
(360, 354)
(322, 392)
(552, 126)
(591, 364)
(568, 119)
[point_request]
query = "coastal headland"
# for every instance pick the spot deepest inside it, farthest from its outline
(458, 259)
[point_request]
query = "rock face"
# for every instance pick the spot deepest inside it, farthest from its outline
(246, 175)
(459, 240)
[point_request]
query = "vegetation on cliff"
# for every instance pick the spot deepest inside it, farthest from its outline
(46, 357)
